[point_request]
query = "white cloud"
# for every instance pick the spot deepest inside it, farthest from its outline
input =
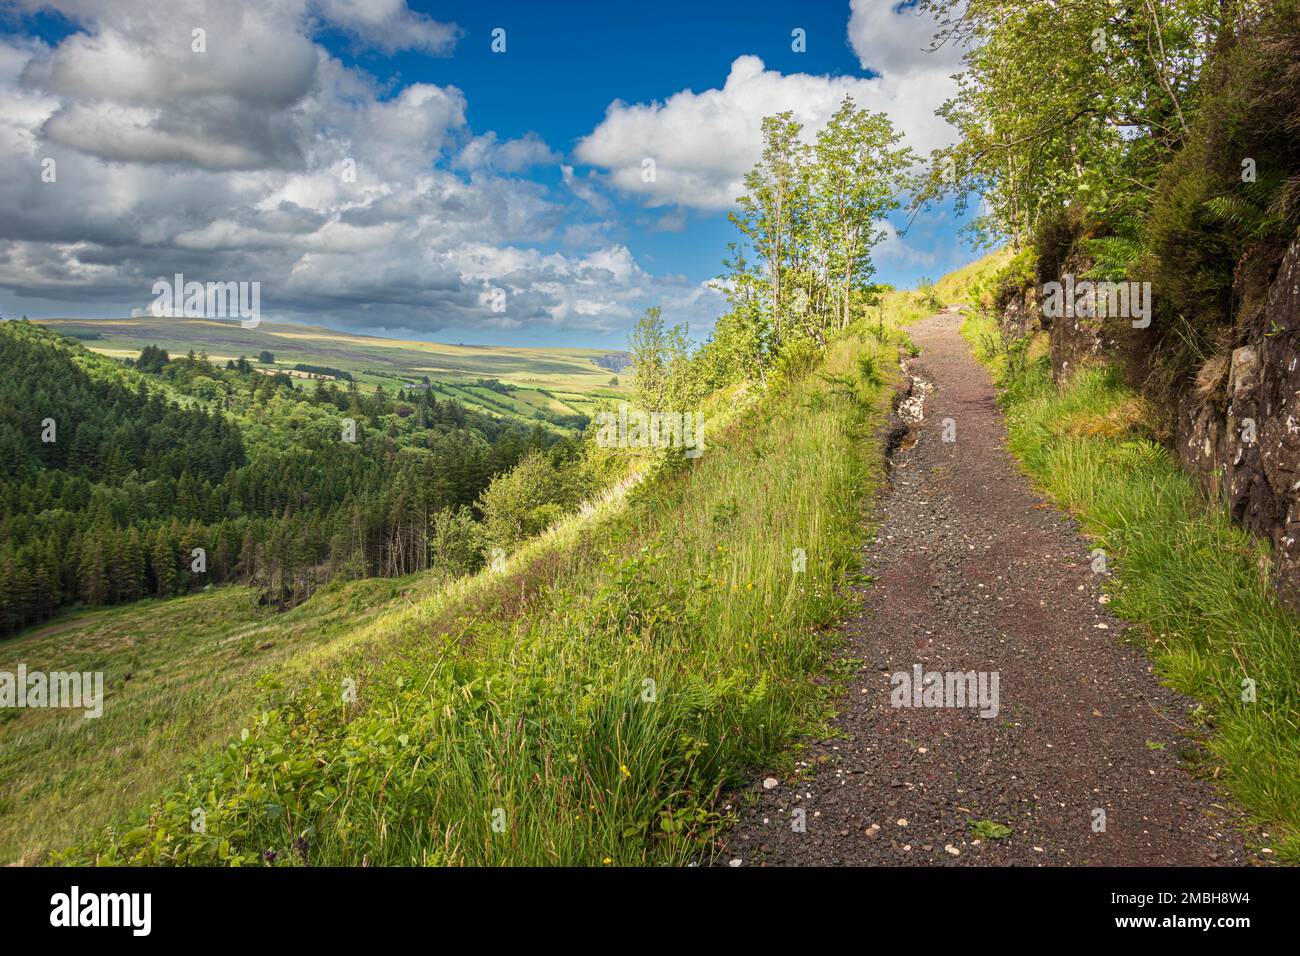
(704, 143)
(896, 39)
(268, 159)
(510, 156)
(893, 248)
(674, 220)
(388, 25)
(587, 189)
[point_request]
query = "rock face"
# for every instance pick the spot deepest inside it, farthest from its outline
(1022, 316)
(1244, 448)
(1077, 338)
(1240, 441)
(1075, 341)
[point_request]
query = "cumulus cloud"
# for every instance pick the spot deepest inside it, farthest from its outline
(898, 39)
(893, 248)
(704, 143)
(266, 159)
(587, 188)
(486, 152)
(388, 25)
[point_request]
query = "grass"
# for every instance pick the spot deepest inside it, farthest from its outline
(179, 676)
(588, 705)
(956, 286)
(1187, 576)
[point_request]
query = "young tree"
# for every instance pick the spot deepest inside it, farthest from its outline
(860, 171)
(661, 357)
(769, 203)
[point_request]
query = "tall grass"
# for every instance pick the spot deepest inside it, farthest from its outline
(1187, 576)
(587, 706)
(179, 674)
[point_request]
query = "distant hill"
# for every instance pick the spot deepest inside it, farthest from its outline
(554, 384)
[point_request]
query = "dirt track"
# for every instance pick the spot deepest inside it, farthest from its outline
(974, 572)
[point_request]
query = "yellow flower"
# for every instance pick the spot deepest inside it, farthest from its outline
(622, 768)
(607, 861)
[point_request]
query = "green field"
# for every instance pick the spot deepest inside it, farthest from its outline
(373, 361)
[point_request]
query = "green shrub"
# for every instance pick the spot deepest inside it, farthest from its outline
(525, 500)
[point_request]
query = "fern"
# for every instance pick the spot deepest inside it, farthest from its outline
(1112, 255)
(1235, 211)
(1138, 454)
(1256, 209)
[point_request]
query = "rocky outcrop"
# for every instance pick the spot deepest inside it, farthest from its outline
(1237, 429)
(1075, 341)
(1078, 332)
(1081, 336)
(1242, 443)
(1021, 317)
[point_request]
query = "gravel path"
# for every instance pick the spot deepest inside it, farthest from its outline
(975, 572)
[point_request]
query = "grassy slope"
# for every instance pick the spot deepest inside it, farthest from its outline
(180, 675)
(1182, 571)
(953, 286)
(527, 693)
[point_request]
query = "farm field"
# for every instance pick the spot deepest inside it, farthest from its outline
(374, 361)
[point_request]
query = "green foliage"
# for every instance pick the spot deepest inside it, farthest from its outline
(154, 461)
(323, 370)
(812, 215)
(810, 218)
(1070, 106)
(869, 371)
(1112, 256)
(665, 377)
(1214, 236)
(928, 294)
(456, 542)
(585, 708)
(529, 498)
(989, 830)
(1163, 150)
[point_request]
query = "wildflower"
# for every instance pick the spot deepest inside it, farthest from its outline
(622, 768)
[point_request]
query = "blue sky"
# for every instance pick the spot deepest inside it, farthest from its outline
(474, 170)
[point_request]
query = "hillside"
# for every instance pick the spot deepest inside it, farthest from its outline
(160, 478)
(574, 378)
(618, 671)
